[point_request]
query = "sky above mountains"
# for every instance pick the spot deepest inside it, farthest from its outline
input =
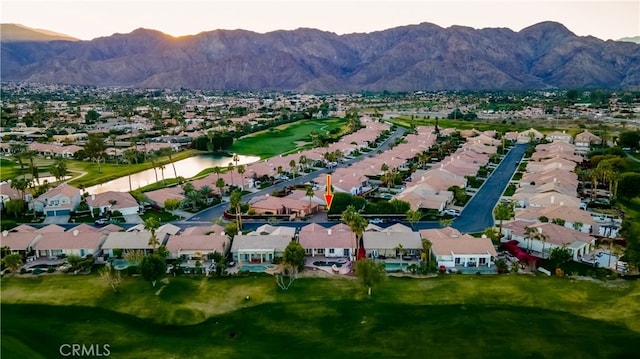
(88, 19)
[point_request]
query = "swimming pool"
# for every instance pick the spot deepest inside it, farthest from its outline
(328, 263)
(120, 264)
(392, 267)
(256, 268)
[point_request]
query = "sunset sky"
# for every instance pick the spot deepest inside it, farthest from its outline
(89, 19)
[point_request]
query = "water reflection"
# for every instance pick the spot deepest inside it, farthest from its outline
(186, 168)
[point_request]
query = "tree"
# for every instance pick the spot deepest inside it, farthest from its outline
(241, 170)
(235, 202)
(194, 198)
(426, 249)
(162, 251)
(370, 272)
(91, 117)
(292, 165)
(414, 217)
(131, 157)
(14, 207)
(294, 255)
(503, 211)
(354, 220)
(171, 204)
(112, 277)
(231, 229)
(17, 150)
(94, 148)
(206, 192)
(21, 185)
(445, 222)
(230, 170)
(309, 193)
(135, 256)
(13, 262)
(151, 224)
(220, 184)
(401, 251)
(153, 268)
(560, 256)
(59, 169)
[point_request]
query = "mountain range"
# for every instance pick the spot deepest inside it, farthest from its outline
(408, 58)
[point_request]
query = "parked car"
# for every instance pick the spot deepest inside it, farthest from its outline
(376, 221)
(452, 212)
(101, 221)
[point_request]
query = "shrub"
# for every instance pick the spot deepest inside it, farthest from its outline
(23, 271)
(51, 270)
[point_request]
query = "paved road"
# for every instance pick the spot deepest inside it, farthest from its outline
(478, 213)
(208, 214)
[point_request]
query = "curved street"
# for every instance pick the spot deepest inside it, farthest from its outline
(478, 213)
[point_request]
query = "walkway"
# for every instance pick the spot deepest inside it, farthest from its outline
(478, 214)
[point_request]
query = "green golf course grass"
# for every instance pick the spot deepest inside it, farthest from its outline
(447, 317)
(285, 138)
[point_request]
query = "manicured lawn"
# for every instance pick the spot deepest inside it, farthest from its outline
(452, 316)
(284, 139)
(163, 216)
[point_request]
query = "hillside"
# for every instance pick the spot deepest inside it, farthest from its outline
(17, 32)
(415, 57)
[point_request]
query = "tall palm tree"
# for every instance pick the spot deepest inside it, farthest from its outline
(503, 211)
(175, 173)
(220, 184)
(241, 169)
(309, 193)
(292, 165)
(357, 223)
(217, 170)
(230, 169)
(194, 198)
(113, 138)
(235, 201)
(151, 224)
(153, 158)
(426, 248)
(130, 157)
(401, 251)
(17, 150)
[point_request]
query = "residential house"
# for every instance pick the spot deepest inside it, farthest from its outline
(8, 193)
(261, 248)
(196, 246)
(73, 242)
(585, 140)
(423, 196)
(558, 136)
(385, 244)
(529, 135)
(58, 201)
(128, 241)
(158, 197)
(21, 242)
(455, 250)
(574, 218)
(267, 205)
(113, 201)
(336, 241)
(547, 236)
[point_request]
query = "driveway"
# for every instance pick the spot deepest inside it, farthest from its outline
(56, 220)
(478, 214)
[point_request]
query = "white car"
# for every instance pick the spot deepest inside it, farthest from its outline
(452, 212)
(376, 221)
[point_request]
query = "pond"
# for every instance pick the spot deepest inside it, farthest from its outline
(186, 168)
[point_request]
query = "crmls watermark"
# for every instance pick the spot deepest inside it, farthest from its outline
(85, 350)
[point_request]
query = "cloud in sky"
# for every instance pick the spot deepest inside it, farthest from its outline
(90, 18)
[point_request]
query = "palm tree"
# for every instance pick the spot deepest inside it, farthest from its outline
(544, 238)
(241, 169)
(130, 156)
(220, 184)
(401, 251)
(302, 161)
(426, 248)
(151, 224)
(164, 184)
(17, 150)
(187, 187)
(194, 198)
(206, 192)
(59, 169)
(292, 164)
(152, 157)
(236, 159)
(175, 173)
(503, 211)
(30, 155)
(21, 185)
(235, 202)
(217, 170)
(230, 169)
(445, 222)
(309, 193)
(354, 220)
